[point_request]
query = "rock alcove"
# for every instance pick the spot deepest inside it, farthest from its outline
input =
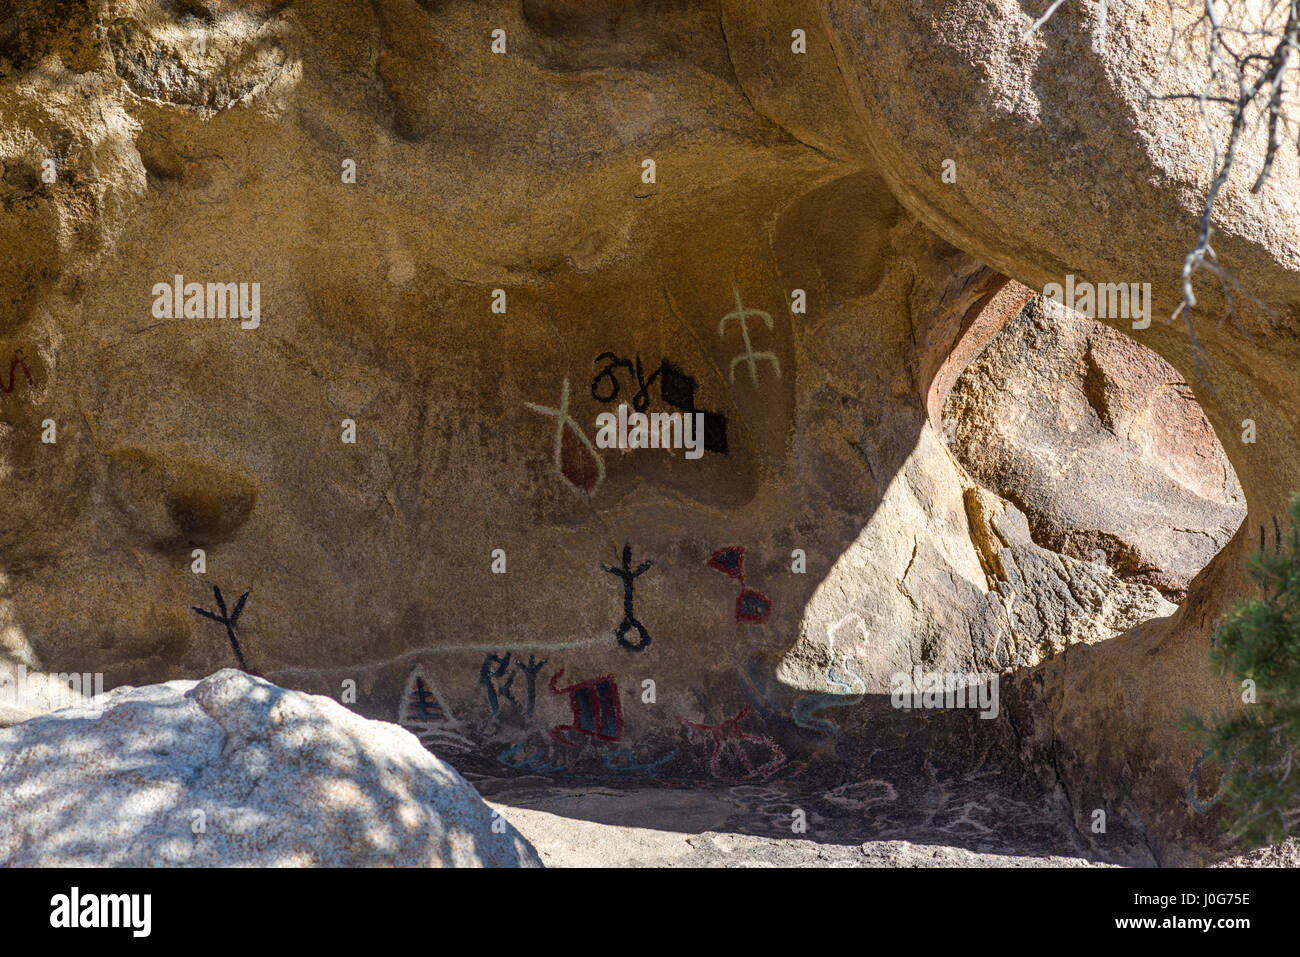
(369, 566)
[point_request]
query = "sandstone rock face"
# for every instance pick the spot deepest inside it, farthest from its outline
(233, 771)
(385, 477)
(1102, 445)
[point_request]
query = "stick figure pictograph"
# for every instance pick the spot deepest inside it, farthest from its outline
(629, 622)
(229, 620)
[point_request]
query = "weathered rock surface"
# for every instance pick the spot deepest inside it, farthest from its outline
(233, 771)
(1100, 442)
(210, 140)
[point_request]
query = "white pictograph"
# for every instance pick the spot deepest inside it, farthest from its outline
(749, 356)
(581, 479)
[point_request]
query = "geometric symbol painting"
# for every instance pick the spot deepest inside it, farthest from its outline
(423, 713)
(752, 607)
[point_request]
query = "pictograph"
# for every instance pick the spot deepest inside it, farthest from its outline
(752, 607)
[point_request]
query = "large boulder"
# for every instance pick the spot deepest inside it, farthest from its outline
(232, 770)
(1103, 446)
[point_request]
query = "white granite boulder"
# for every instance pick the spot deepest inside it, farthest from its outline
(233, 770)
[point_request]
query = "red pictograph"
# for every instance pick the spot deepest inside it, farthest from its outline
(729, 739)
(16, 361)
(752, 607)
(597, 712)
